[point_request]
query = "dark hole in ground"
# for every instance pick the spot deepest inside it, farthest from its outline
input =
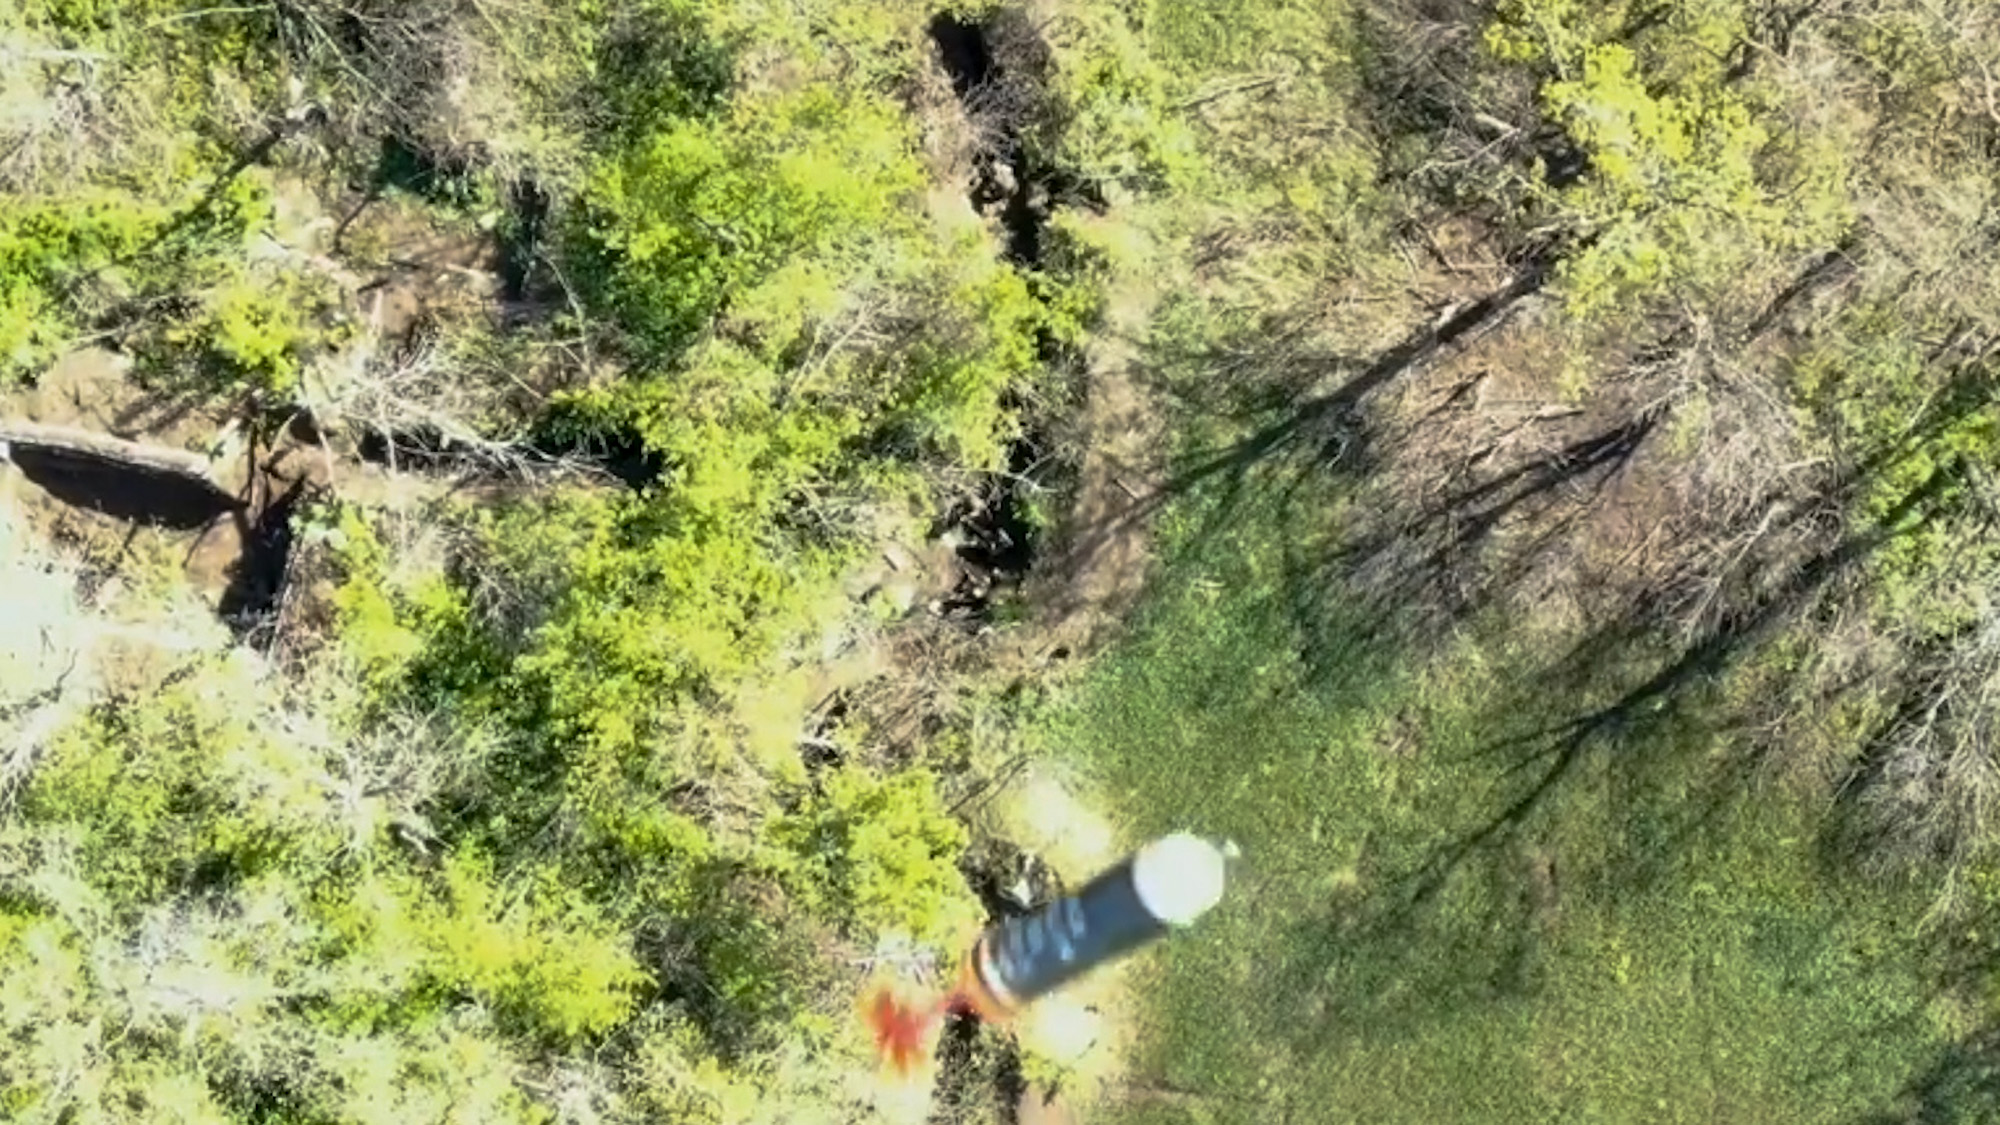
(405, 166)
(996, 71)
(521, 238)
(979, 1071)
(1008, 880)
(973, 1068)
(817, 749)
(428, 449)
(421, 449)
(123, 491)
(622, 455)
(250, 603)
(1022, 217)
(1563, 164)
(617, 451)
(963, 51)
(996, 541)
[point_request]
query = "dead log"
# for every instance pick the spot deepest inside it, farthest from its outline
(68, 441)
(127, 480)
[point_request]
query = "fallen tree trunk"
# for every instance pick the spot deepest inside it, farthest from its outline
(68, 441)
(127, 480)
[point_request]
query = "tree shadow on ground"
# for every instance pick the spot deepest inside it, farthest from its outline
(1961, 1084)
(1451, 924)
(1619, 695)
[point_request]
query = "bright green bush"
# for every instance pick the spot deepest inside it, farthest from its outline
(254, 334)
(1677, 193)
(1869, 393)
(130, 782)
(176, 55)
(443, 1072)
(404, 935)
(1113, 121)
(883, 852)
(673, 229)
(49, 248)
(550, 964)
(808, 340)
(112, 255)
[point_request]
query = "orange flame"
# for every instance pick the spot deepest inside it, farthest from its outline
(903, 1030)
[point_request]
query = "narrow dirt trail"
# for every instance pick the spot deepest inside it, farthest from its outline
(1090, 578)
(1101, 552)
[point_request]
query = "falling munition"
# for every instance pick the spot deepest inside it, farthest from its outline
(1163, 886)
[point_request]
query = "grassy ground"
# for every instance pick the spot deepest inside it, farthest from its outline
(1449, 913)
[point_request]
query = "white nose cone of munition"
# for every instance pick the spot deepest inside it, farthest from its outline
(1163, 886)
(1179, 877)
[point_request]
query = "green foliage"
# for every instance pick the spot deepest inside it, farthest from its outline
(242, 325)
(253, 335)
(380, 639)
(528, 837)
(176, 792)
(47, 249)
(1677, 193)
(178, 65)
(551, 964)
(804, 338)
(659, 611)
(1869, 391)
(707, 207)
(442, 1073)
(662, 66)
(1114, 121)
(885, 852)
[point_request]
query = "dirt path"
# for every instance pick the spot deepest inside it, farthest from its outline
(1090, 578)
(1098, 563)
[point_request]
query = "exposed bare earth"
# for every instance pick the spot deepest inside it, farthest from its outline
(124, 474)
(1097, 566)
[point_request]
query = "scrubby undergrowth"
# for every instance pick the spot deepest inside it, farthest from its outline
(1584, 443)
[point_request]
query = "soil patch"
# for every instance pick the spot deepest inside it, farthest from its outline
(122, 488)
(111, 506)
(139, 475)
(1101, 555)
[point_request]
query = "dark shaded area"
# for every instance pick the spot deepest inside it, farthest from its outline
(258, 581)
(1563, 163)
(1435, 566)
(962, 49)
(1010, 882)
(976, 1063)
(997, 69)
(656, 65)
(1830, 268)
(423, 449)
(997, 544)
(817, 748)
(428, 449)
(622, 455)
(447, 180)
(1961, 1085)
(1462, 138)
(124, 491)
(521, 237)
(1330, 421)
